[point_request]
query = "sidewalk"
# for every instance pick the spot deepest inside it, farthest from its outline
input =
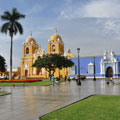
(28, 103)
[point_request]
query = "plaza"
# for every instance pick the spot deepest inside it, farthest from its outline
(82, 58)
(29, 103)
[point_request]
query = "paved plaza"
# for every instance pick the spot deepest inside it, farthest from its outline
(28, 103)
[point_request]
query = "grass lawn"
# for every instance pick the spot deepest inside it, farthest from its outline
(94, 108)
(40, 83)
(118, 84)
(3, 93)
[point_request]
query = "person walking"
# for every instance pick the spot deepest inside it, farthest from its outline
(53, 80)
(65, 78)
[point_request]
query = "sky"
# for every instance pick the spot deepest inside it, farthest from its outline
(91, 25)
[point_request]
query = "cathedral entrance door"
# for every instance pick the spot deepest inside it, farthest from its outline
(109, 72)
(26, 72)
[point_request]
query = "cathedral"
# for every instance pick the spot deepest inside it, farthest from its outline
(31, 51)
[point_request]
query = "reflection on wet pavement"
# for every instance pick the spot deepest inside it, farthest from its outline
(28, 103)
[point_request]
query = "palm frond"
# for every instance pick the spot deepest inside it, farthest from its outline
(19, 27)
(13, 26)
(5, 27)
(16, 14)
(6, 16)
(15, 29)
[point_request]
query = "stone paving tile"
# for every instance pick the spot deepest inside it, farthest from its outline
(28, 103)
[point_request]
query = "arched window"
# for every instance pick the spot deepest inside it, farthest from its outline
(53, 48)
(27, 50)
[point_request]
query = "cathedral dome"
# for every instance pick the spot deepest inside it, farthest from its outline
(55, 37)
(30, 39)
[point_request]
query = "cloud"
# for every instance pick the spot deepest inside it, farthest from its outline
(110, 27)
(103, 8)
(106, 13)
(93, 8)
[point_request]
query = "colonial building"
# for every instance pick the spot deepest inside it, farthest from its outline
(31, 51)
(104, 66)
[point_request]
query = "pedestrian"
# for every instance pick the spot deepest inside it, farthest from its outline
(53, 80)
(65, 78)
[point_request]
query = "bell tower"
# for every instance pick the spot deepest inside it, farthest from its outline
(55, 44)
(28, 49)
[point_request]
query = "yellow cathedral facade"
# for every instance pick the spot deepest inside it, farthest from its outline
(31, 51)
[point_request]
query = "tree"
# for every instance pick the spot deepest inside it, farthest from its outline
(2, 64)
(63, 62)
(52, 61)
(12, 26)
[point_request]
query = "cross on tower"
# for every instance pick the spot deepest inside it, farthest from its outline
(30, 34)
(55, 30)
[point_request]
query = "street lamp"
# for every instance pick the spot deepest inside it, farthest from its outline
(94, 70)
(65, 67)
(78, 82)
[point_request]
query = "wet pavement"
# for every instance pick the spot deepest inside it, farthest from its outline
(28, 103)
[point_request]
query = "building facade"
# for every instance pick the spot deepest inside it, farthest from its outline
(31, 51)
(104, 66)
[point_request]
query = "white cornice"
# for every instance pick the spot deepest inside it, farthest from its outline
(55, 52)
(51, 42)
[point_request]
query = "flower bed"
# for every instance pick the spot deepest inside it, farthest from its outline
(29, 80)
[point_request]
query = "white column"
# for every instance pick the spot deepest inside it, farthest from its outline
(43, 71)
(114, 68)
(34, 70)
(103, 68)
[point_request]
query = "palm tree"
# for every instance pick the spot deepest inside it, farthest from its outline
(12, 26)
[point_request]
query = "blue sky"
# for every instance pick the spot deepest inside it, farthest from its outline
(92, 25)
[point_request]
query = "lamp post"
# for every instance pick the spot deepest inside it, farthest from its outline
(65, 67)
(94, 70)
(78, 82)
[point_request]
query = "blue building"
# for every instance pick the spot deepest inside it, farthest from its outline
(104, 66)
